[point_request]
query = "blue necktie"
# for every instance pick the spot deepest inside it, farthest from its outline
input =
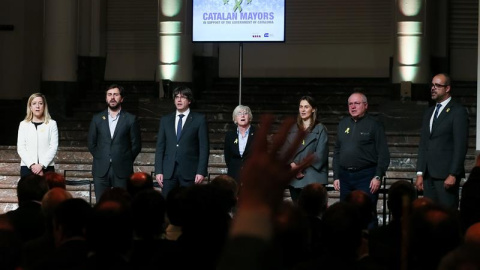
(179, 126)
(435, 116)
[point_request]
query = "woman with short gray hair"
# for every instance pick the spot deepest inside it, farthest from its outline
(238, 141)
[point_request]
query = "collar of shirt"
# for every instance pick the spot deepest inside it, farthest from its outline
(444, 104)
(184, 119)
(242, 141)
(112, 122)
(185, 113)
(109, 112)
(246, 132)
(359, 118)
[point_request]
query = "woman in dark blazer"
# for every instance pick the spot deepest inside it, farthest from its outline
(238, 141)
(315, 142)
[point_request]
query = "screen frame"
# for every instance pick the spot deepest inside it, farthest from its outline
(241, 41)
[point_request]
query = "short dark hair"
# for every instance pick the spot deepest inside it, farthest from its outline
(115, 234)
(343, 223)
(227, 182)
(120, 89)
(174, 202)
(148, 212)
(434, 230)
(73, 215)
(313, 199)
(183, 90)
(227, 190)
(363, 203)
(396, 193)
(31, 188)
(115, 194)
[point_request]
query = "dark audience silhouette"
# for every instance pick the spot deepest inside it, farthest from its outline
(217, 226)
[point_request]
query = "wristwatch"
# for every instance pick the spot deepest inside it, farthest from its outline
(377, 177)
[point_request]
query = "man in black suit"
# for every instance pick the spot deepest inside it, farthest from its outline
(181, 157)
(114, 141)
(443, 145)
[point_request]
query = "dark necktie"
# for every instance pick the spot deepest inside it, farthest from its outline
(179, 126)
(435, 116)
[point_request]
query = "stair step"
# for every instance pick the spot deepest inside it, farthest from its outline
(279, 97)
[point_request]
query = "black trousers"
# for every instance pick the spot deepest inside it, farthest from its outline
(24, 170)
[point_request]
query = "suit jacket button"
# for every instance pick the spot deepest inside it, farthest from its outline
(177, 145)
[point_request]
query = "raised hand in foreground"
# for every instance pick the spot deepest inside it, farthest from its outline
(264, 179)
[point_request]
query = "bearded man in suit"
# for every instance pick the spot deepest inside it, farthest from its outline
(443, 145)
(114, 141)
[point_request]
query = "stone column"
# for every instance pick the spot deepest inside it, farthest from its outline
(175, 46)
(438, 29)
(59, 72)
(91, 44)
(411, 51)
(84, 27)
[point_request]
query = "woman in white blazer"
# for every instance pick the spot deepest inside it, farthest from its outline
(37, 140)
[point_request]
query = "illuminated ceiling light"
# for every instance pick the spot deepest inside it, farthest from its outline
(174, 27)
(410, 7)
(409, 28)
(409, 49)
(171, 8)
(409, 73)
(170, 49)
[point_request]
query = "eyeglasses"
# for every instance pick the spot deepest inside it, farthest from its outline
(180, 97)
(355, 103)
(436, 85)
(242, 113)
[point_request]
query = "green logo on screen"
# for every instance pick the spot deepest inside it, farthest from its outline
(238, 4)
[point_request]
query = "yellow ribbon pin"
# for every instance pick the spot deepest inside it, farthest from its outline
(103, 117)
(347, 130)
(303, 142)
(448, 109)
(236, 141)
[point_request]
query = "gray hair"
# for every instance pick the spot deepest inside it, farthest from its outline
(364, 97)
(240, 108)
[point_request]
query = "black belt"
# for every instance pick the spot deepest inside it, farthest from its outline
(356, 169)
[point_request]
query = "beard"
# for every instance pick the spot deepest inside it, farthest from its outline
(114, 107)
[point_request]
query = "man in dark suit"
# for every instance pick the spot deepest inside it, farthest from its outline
(114, 141)
(181, 157)
(443, 145)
